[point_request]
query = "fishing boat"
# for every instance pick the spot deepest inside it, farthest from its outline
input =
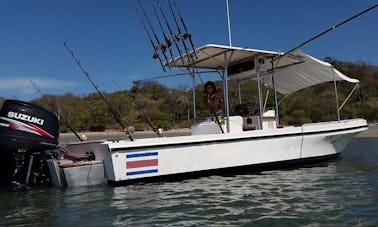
(234, 142)
(239, 140)
(224, 143)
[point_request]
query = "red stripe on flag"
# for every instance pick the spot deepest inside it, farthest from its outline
(142, 163)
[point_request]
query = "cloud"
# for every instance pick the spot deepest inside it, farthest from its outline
(21, 87)
(23, 84)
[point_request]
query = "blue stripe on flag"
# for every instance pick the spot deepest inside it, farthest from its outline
(141, 172)
(141, 155)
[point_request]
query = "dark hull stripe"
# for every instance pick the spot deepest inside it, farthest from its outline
(233, 139)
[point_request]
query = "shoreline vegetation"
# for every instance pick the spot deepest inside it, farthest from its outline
(149, 103)
(67, 137)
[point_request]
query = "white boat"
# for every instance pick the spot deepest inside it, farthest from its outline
(241, 142)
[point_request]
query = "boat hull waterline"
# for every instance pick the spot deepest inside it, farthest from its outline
(167, 156)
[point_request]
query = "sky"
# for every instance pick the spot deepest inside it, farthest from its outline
(108, 39)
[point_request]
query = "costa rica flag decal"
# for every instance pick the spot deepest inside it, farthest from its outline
(142, 163)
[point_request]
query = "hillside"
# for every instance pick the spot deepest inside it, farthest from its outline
(172, 108)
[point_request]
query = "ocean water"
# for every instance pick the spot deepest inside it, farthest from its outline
(339, 192)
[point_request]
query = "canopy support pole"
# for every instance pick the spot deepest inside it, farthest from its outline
(257, 63)
(225, 82)
(194, 95)
(275, 96)
(239, 92)
(347, 98)
(336, 96)
(225, 86)
(266, 99)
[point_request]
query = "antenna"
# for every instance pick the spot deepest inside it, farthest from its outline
(228, 23)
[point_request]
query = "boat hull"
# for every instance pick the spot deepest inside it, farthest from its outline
(159, 157)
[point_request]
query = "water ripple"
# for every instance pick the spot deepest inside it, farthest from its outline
(341, 192)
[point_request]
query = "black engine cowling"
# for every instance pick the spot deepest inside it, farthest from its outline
(27, 126)
(27, 133)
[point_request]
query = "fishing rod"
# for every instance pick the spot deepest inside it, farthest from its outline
(115, 115)
(316, 37)
(170, 31)
(66, 121)
(216, 118)
(187, 35)
(331, 29)
(172, 75)
(179, 36)
(36, 88)
(120, 89)
(150, 124)
(116, 83)
(159, 46)
(167, 39)
(156, 54)
(144, 117)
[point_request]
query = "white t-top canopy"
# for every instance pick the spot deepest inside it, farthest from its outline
(292, 72)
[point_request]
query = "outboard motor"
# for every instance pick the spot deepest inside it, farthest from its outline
(26, 132)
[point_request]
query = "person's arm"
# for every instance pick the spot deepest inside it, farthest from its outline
(218, 101)
(206, 101)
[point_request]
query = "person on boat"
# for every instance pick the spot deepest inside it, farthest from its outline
(213, 98)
